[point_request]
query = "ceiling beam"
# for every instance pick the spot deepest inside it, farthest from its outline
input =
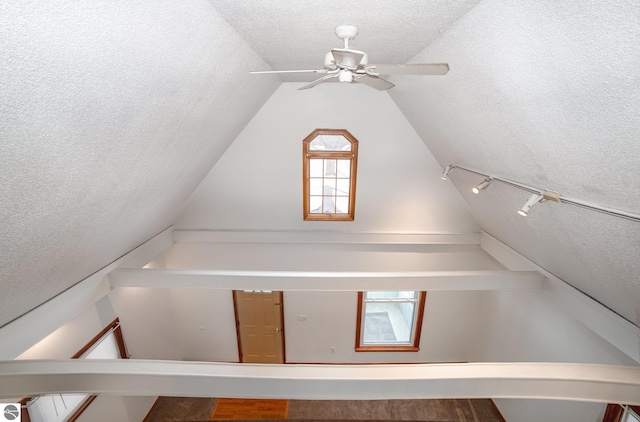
(559, 381)
(309, 236)
(326, 281)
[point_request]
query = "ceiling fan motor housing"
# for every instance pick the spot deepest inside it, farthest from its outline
(330, 62)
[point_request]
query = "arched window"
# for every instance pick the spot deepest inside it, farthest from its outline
(330, 158)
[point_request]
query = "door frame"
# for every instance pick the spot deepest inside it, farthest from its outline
(235, 314)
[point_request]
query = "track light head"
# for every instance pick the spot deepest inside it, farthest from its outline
(482, 186)
(534, 199)
(445, 173)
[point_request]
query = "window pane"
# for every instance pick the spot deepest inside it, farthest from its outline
(329, 187)
(54, 407)
(342, 204)
(391, 295)
(342, 187)
(328, 205)
(315, 167)
(388, 323)
(330, 143)
(315, 186)
(631, 417)
(330, 168)
(106, 348)
(344, 168)
(315, 204)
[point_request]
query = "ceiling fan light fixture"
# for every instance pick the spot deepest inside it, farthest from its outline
(345, 76)
(329, 63)
(482, 186)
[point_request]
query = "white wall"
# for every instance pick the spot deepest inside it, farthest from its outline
(516, 410)
(205, 323)
(107, 408)
(147, 322)
(257, 183)
(528, 326)
(448, 332)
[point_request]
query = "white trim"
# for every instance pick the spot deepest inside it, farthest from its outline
(326, 281)
(556, 381)
(308, 236)
(607, 324)
(22, 333)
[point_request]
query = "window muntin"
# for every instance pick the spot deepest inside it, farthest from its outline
(329, 170)
(389, 320)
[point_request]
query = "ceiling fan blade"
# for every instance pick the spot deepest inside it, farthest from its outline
(375, 82)
(289, 71)
(347, 59)
(410, 69)
(319, 81)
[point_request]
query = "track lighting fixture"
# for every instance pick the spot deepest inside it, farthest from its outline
(544, 196)
(539, 195)
(445, 173)
(534, 199)
(482, 186)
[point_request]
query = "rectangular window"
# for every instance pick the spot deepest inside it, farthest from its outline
(329, 175)
(389, 321)
(108, 344)
(621, 413)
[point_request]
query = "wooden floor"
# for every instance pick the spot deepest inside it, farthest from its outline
(193, 409)
(250, 409)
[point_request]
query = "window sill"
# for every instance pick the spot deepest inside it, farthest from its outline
(387, 349)
(328, 217)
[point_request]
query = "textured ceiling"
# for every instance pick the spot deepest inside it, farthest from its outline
(113, 113)
(296, 35)
(546, 94)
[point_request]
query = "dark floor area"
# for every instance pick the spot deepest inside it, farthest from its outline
(179, 409)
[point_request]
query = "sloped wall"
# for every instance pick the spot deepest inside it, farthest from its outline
(257, 184)
(110, 115)
(545, 93)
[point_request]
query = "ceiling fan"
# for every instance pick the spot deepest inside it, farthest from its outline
(349, 66)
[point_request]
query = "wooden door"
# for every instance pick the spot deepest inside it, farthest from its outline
(259, 323)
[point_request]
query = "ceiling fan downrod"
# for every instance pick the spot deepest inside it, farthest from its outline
(346, 33)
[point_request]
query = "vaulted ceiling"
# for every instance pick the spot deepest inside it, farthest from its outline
(112, 114)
